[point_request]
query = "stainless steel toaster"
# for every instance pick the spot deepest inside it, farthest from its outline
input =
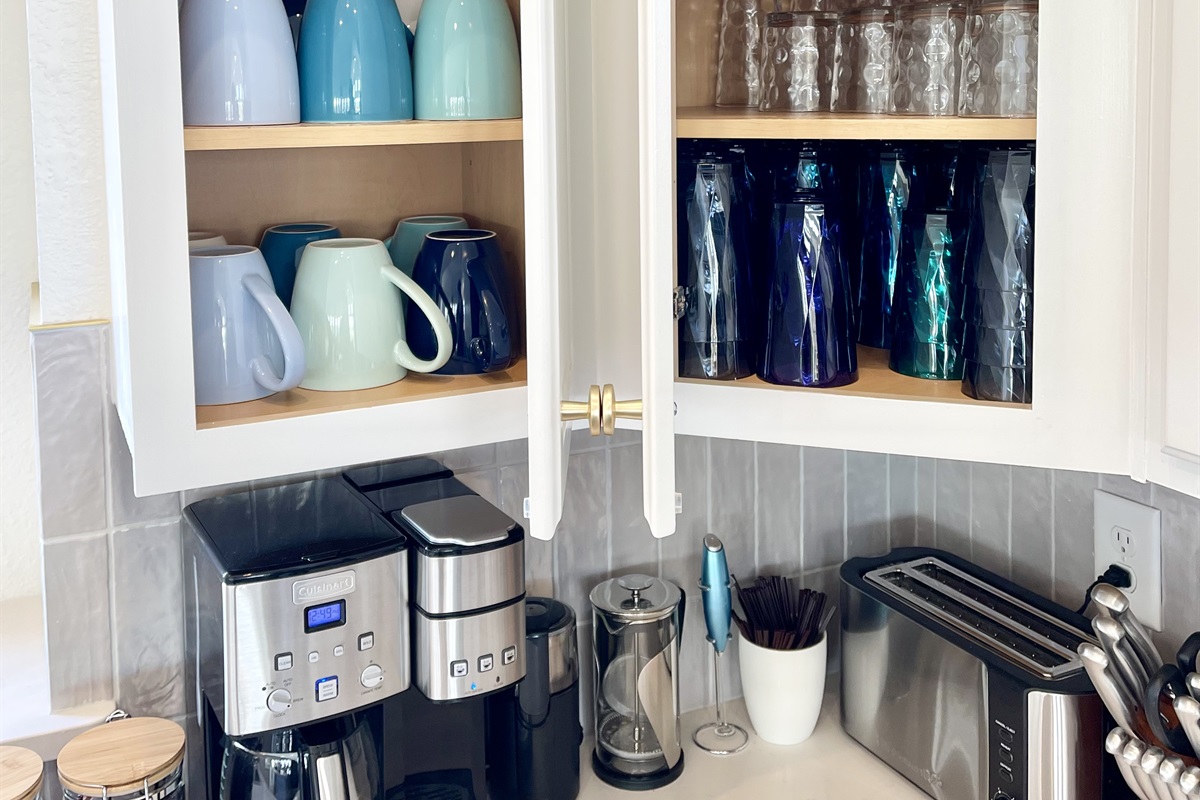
(967, 684)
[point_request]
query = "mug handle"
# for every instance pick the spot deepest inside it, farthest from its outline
(289, 337)
(441, 328)
(495, 348)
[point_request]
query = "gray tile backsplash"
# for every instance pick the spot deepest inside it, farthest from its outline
(111, 560)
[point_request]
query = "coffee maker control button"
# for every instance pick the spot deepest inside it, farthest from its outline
(339, 650)
(283, 661)
(372, 676)
(485, 663)
(509, 656)
(327, 689)
(279, 701)
(458, 669)
(314, 657)
(366, 641)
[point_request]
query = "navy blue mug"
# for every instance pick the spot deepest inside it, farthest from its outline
(464, 272)
(282, 246)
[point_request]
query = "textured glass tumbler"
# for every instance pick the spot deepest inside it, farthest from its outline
(797, 62)
(883, 198)
(928, 334)
(1001, 248)
(1000, 61)
(925, 73)
(739, 73)
(808, 340)
(863, 62)
(716, 339)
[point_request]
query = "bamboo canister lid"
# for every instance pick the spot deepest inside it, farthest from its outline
(121, 755)
(20, 773)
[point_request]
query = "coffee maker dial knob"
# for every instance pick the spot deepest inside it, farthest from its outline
(372, 676)
(279, 701)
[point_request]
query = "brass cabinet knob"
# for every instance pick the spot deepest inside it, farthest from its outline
(573, 409)
(611, 409)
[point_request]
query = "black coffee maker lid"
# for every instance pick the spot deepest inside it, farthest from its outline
(545, 615)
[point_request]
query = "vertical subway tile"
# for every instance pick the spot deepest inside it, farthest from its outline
(582, 441)
(678, 552)
(990, 505)
(148, 616)
(695, 656)
(78, 637)
(731, 669)
(581, 543)
(1128, 488)
(127, 508)
(829, 581)
(780, 493)
(953, 510)
(189, 496)
(69, 385)
(539, 555)
(587, 674)
(515, 451)
(483, 482)
(866, 504)
(926, 502)
(902, 501)
(1073, 558)
(465, 458)
(1033, 529)
(1181, 567)
(731, 510)
(623, 437)
(824, 507)
(634, 548)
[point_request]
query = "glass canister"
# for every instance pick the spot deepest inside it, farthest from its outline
(863, 61)
(797, 61)
(20, 774)
(716, 333)
(137, 758)
(738, 69)
(1000, 61)
(637, 622)
(925, 71)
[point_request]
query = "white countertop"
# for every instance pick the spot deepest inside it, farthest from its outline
(829, 766)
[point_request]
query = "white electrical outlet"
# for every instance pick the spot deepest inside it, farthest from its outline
(1129, 535)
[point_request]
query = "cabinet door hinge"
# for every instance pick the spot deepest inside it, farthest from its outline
(678, 503)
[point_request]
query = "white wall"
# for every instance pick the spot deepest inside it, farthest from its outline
(19, 547)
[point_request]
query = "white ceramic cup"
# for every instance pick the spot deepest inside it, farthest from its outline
(783, 689)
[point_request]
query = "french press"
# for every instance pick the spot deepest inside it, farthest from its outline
(637, 621)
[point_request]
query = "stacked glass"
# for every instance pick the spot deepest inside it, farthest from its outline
(998, 312)
(797, 61)
(928, 327)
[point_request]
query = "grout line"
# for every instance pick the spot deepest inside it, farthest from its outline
(803, 515)
(1010, 522)
(936, 470)
(887, 495)
(971, 510)
(755, 494)
(845, 505)
(1053, 536)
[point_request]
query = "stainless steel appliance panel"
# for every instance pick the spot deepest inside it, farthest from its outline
(469, 656)
(461, 583)
(280, 671)
(1064, 764)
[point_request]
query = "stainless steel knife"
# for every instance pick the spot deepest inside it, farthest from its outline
(1116, 604)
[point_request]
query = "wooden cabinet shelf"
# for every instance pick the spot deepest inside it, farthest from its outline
(274, 137)
(741, 123)
(302, 402)
(875, 380)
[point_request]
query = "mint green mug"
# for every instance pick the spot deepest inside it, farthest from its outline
(347, 305)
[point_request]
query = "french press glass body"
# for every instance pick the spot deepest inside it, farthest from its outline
(637, 622)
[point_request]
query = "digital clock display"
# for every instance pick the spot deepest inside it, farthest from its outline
(329, 615)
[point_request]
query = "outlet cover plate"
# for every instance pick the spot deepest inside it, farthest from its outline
(1129, 534)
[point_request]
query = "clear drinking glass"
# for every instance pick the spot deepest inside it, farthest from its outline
(1000, 60)
(926, 70)
(738, 74)
(863, 61)
(797, 59)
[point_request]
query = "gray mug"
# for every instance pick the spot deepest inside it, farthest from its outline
(244, 344)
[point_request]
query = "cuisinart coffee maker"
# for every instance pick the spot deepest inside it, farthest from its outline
(467, 612)
(296, 629)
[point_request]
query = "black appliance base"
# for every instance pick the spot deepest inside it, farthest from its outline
(635, 782)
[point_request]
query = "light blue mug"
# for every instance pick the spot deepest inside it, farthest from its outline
(244, 344)
(354, 62)
(405, 244)
(465, 61)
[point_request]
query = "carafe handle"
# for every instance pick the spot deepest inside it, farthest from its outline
(331, 778)
(441, 328)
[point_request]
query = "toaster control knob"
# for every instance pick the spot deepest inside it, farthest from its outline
(372, 676)
(279, 701)
(1002, 796)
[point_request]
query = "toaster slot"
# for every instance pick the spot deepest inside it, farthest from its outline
(985, 625)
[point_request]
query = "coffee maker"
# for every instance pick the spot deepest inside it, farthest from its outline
(296, 632)
(467, 613)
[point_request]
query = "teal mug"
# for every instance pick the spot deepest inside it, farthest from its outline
(465, 61)
(347, 305)
(282, 246)
(405, 244)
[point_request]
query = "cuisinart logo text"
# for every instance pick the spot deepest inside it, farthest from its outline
(320, 588)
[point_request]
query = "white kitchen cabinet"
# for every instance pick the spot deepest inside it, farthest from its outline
(1169, 373)
(1084, 238)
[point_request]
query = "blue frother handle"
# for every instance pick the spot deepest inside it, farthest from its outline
(714, 586)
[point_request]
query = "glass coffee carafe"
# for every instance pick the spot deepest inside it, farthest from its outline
(637, 622)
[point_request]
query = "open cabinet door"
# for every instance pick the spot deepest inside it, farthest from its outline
(547, 276)
(656, 145)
